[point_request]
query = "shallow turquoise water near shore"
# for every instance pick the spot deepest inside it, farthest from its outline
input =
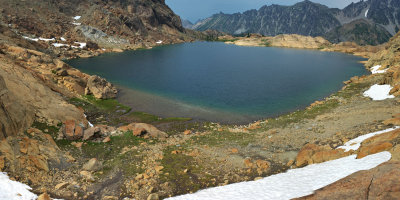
(218, 82)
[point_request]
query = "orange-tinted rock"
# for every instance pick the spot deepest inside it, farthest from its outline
(248, 163)
(139, 131)
(142, 128)
(44, 196)
(312, 153)
(262, 164)
(40, 162)
(72, 130)
(327, 155)
(373, 148)
(386, 137)
(234, 150)
(90, 133)
(304, 156)
(393, 121)
(107, 139)
(187, 132)
(2, 162)
(380, 183)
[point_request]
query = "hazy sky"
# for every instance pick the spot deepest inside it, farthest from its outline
(200, 9)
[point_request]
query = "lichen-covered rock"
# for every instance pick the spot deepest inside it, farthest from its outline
(100, 88)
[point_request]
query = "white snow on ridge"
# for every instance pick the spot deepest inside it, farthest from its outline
(292, 184)
(60, 45)
(63, 39)
(77, 17)
(366, 13)
(13, 190)
(355, 143)
(32, 39)
(76, 24)
(379, 92)
(375, 70)
(81, 45)
(46, 40)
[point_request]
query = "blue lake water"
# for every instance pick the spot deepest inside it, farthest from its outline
(219, 82)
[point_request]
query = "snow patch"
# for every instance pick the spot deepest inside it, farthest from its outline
(32, 39)
(14, 190)
(77, 17)
(40, 38)
(76, 24)
(355, 143)
(292, 184)
(366, 13)
(375, 69)
(379, 92)
(90, 124)
(63, 39)
(46, 40)
(159, 42)
(81, 45)
(60, 45)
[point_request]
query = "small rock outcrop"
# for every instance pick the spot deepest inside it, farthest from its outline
(93, 165)
(312, 153)
(100, 88)
(14, 116)
(73, 130)
(140, 129)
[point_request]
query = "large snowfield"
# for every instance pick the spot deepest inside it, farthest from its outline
(292, 184)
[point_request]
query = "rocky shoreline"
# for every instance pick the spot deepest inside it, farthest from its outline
(49, 144)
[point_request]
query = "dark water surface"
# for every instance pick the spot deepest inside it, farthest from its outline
(219, 82)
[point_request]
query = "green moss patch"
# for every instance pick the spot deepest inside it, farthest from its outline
(224, 138)
(181, 171)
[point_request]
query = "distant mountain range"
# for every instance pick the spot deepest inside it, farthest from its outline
(366, 22)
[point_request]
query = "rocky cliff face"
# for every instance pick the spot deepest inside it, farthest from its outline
(108, 22)
(312, 19)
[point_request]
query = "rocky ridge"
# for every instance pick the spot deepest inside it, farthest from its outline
(358, 22)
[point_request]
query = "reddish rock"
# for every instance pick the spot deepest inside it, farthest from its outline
(72, 131)
(139, 131)
(312, 153)
(304, 156)
(373, 148)
(380, 183)
(393, 121)
(386, 137)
